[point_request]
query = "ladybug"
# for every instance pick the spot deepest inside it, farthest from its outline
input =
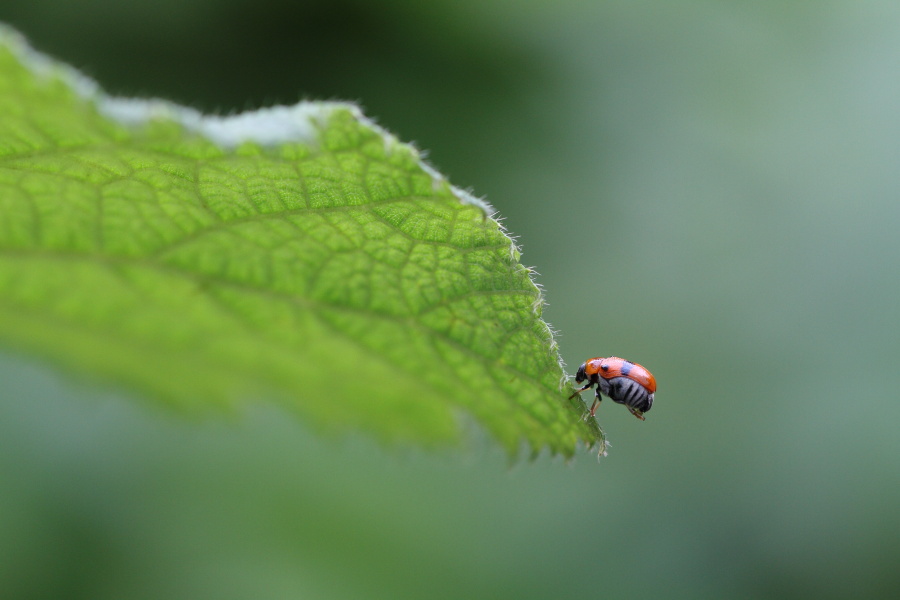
(623, 381)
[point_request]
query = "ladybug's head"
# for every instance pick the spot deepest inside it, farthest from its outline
(580, 375)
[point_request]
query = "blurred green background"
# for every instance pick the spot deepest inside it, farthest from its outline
(708, 188)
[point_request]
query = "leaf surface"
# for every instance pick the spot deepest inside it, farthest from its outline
(299, 255)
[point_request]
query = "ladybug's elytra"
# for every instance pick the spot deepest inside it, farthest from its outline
(623, 381)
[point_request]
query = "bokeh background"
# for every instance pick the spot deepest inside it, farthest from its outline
(711, 189)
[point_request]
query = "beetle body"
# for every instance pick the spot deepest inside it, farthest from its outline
(623, 381)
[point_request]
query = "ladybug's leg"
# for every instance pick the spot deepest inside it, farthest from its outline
(579, 390)
(597, 400)
(637, 413)
(590, 414)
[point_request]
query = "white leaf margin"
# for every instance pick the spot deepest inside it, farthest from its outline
(268, 127)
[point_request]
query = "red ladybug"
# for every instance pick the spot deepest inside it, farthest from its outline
(623, 381)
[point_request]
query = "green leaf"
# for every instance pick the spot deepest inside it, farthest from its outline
(299, 255)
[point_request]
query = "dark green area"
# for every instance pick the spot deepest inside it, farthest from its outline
(709, 189)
